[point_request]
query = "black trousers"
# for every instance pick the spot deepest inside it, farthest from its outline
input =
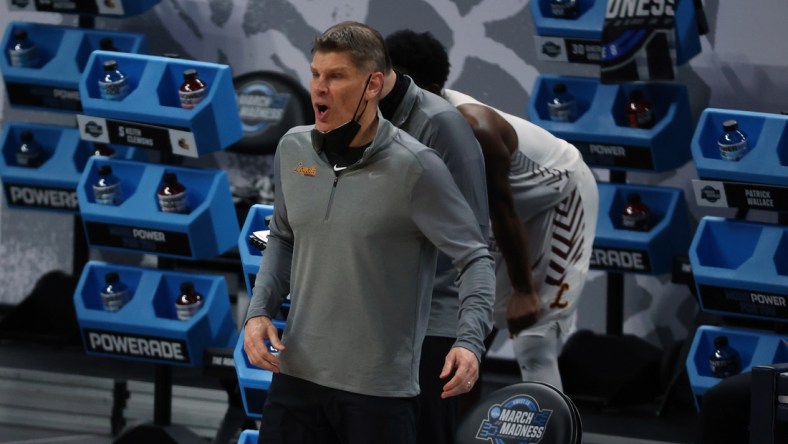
(301, 412)
(438, 418)
(725, 411)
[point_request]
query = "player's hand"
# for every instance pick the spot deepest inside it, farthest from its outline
(523, 311)
(256, 331)
(463, 363)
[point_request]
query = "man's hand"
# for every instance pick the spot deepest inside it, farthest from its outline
(463, 363)
(256, 331)
(523, 311)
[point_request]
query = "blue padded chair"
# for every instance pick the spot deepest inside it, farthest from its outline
(523, 412)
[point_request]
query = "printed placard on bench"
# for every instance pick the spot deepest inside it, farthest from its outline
(175, 140)
(43, 96)
(603, 258)
(138, 238)
(557, 49)
(123, 344)
(745, 302)
(713, 193)
(33, 196)
(101, 7)
(610, 155)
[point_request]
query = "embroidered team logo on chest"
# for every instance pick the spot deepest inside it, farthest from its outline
(305, 170)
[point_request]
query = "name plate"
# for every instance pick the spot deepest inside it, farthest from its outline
(713, 193)
(121, 132)
(559, 49)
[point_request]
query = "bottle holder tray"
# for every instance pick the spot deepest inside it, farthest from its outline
(766, 161)
(137, 224)
(250, 255)
(63, 53)
(249, 437)
(579, 40)
(52, 185)
(253, 380)
(115, 8)
(151, 116)
(147, 327)
(600, 129)
(741, 268)
(645, 252)
(754, 347)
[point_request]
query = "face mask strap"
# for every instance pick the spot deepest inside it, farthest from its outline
(361, 99)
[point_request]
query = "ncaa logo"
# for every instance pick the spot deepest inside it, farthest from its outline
(94, 129)
(260, 106)
(551, 49)
(518, 420)
(710, 193)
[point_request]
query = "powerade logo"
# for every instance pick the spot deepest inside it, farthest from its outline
(518, 420)
(260, 106)
(94, 129)
(710, 194)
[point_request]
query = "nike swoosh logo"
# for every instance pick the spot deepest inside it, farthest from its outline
(338, 168)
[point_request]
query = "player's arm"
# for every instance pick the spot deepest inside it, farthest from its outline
(498, 141)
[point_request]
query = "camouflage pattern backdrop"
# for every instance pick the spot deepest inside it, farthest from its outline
(743, 65)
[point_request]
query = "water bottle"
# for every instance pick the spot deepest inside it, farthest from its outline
(113, 85)
(106, 44)
(29, 153)
(103, 150)
(562, 106)
(639, 113)
(566, 9)
(23, 52)
(115, 293)
(192, 90)
(733, 142)
(188, 302)
(724, 360)
(172, 196)
(635, 215)
(107, 189)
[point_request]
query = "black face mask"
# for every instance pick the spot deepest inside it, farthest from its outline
(338, 139)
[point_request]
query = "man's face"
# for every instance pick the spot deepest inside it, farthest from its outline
(336, 88)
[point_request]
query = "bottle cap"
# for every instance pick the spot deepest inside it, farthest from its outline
(730, 125)
(187, 287)
(105, 170)
(559, 88)
(112, 277)
(110, 65)
(20, 34)
(170, 178)
(633, 197)
(635, 95)
(190, 74)
(720, 341)
(102, 149)
(106, 44)
(26, 136)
